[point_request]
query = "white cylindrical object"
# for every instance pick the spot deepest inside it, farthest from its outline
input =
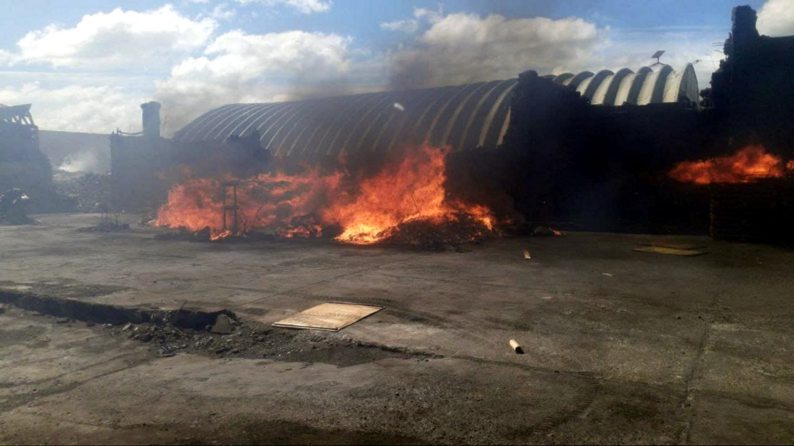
(516, 346)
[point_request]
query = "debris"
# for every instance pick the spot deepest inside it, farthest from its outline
(13, 208)
(545, 231)
(331, 316)
(90, 192)
(64, 320)
(607, 274)
(399, 106)
(165, 351)
(223, 325)
(516, 347)
(526, 255)
(669, 251)
(127, 327)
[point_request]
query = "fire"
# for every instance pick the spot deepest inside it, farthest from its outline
(410, 191)
(748, 164)
(304, 205)
(228, 206)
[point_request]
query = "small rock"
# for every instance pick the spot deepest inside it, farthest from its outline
(223, 325)
(2, 309)
(146, 337)
(127, 327)
(62, 320)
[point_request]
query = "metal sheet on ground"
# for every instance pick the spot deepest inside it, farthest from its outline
(329, 316)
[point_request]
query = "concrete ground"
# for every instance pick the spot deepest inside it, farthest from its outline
(620, 346)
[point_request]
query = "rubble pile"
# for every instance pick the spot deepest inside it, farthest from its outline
(430, 235)
(91, 191)
(13, 208)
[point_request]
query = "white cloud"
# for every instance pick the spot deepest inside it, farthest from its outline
(429, 15)
(77, 108)
(460, 48)
(408, 26)
(776, 18)
(240, 67)
(302, 6)
(117, 39)
(422, 16)
(222, 12)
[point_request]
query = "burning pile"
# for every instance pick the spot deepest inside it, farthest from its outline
(406, 202)
(749, 164)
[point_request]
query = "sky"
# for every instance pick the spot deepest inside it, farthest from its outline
(86, 65)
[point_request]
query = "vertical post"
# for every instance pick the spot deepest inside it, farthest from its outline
(230, 210)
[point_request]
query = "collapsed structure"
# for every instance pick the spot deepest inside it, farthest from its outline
(22, 165)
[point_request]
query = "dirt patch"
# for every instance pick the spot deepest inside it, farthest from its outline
(251, 340)
(217, 333)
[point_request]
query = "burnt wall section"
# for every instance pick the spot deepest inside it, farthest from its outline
(22, 164)
(567, 163)
(144, 168)
(753, 90)
(138, 165)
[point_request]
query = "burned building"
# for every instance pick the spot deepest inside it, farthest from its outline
(590, 150)
(22, 164)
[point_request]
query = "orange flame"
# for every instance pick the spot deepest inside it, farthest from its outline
(268, 200)
(303, 205)
(748, 164)
(412, 190)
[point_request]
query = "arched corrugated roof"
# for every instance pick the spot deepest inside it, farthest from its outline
(464, 116)
(649, 85)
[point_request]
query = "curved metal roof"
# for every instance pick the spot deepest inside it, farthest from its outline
(649, 85)
(464, 116)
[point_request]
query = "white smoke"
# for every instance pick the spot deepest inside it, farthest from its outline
(82, 162)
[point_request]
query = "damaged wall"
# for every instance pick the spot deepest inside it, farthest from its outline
(22, 164)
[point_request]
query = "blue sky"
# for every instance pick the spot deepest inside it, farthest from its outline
(361, 18)
(87, 64)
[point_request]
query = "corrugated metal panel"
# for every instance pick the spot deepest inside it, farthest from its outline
(464, 116)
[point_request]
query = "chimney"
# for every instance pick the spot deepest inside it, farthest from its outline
(151, 119)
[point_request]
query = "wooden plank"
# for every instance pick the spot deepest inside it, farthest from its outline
(328, 316)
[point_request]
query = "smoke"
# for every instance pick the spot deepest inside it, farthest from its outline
(462, 48)
(242, 67)
(86, 161)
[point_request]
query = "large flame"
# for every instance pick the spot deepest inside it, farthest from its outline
(303, 205)
(268, 200)
(412, 190)
(746, 165)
